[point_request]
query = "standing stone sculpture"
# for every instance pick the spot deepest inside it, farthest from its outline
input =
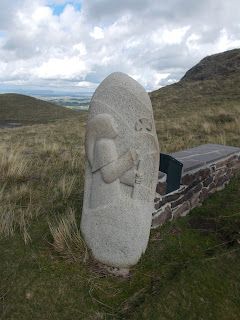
(122, 160)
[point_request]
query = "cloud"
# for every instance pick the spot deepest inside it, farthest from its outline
(66, 68)
(75, 44)
(97, 33)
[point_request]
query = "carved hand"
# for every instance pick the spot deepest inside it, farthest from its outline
(139, 177)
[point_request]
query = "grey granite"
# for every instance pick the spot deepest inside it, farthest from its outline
(122, 161)
(203, 155)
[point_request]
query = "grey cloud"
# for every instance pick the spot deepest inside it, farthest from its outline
(134, 40)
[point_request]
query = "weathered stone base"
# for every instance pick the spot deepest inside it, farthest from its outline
(196, 184)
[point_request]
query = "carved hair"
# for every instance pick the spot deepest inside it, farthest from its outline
(100, 127)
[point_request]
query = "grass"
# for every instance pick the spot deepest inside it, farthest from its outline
(28, 110)
(40, 167)
(185, 273)
(189, 97)
(191, 268)
(67, 240)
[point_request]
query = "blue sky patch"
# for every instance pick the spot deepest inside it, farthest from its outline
(57, 10)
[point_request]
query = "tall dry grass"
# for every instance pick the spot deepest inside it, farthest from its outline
(42, 167)
(13, 165)
(41, 174)
(204, 126)
(67, 240)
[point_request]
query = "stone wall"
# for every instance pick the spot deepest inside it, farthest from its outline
(206, 169)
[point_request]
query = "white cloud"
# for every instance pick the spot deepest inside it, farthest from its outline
(225, 41)
(159, 77)
(3, 66)
(66, 68)
(42, 15)
(97, 33)
(86, 84)
(175, 36)
(15, 82)
(192, 41)
(80, 48)
(155, 41)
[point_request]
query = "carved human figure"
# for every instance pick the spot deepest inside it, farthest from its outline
(122, 159)
(108, 168)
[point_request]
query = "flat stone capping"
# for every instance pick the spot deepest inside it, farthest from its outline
(203, 155)
(206, 169)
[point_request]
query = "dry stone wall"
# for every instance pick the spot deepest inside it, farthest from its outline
(206, 169)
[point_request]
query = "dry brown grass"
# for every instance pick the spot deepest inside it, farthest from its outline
(13, 165)
(41, 173)
(67, 240)
(42, 166)
(200, 127)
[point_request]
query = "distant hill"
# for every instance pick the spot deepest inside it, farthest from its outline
(213, 83)
(21, 108)
(221, 65)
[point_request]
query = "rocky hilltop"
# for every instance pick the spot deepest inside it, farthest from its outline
(223, 64)
(214, 83)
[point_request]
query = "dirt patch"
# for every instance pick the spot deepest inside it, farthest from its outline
(10, 125)
(226, 234)
(204, 226)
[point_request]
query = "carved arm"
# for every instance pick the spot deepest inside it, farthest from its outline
(117, 168)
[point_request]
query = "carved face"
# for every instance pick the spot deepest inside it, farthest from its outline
(108, 128)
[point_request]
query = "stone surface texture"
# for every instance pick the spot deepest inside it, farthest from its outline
(122, 160)
(206, 169)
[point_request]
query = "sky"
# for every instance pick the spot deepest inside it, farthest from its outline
(71, 46)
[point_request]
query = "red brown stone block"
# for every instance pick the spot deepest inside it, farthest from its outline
(188, 179)
(218, 174)
(233, 157)
(163, 217)
(161, 188)
(178, 202)
(197, 188)
(207, 182)
(194, 201)
(202, 174)
(172, 197)
(184, 198)
(232, 163)
(211, 187)
(221, 181)
(159, 204)
(203, 195)
(213, 169)
(206, 173)
(181, 210)
(221, 164)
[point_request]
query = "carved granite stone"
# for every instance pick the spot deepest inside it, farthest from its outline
(122, 160)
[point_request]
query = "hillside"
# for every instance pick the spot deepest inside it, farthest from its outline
(191, 268)
(221, 65)
(214, 83)
(21, 108)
